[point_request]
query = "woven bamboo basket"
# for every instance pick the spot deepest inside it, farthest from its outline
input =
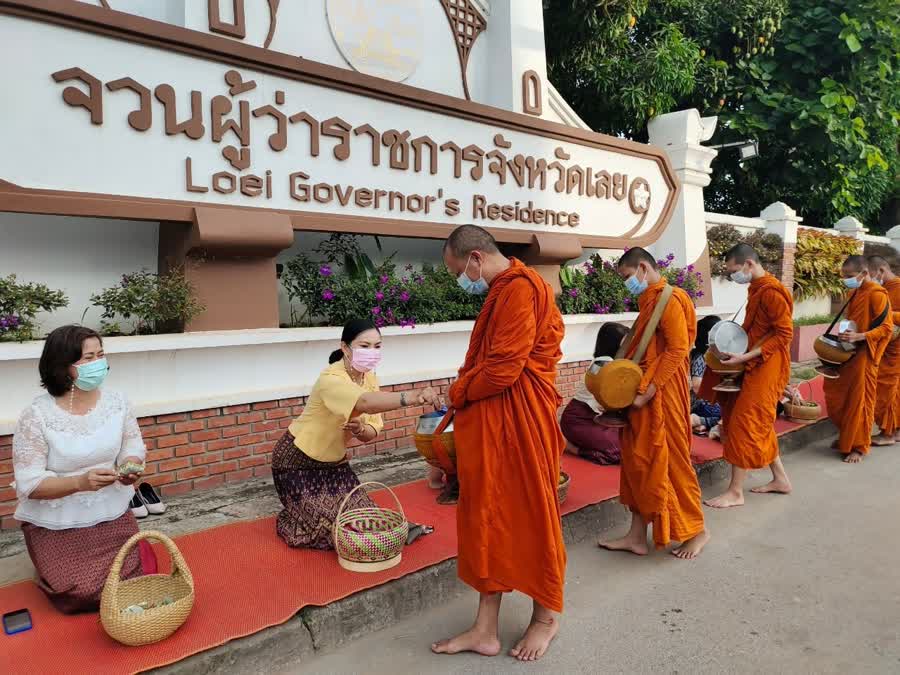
(155, 623)
(564, 482)
(370, 539)
(806, 411)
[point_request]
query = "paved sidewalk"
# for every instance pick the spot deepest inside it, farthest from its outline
(799, 584)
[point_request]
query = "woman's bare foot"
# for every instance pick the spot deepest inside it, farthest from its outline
(781, 487)
(628, 544)
(881, 439)
(692, 547)
(470, 641)
(726, 500)
(536, 641)
(853, 458)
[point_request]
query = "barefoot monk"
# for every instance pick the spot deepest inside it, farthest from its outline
(851, 397)
(749, 415)
(508, 518)
(887, 402)
(658, 483)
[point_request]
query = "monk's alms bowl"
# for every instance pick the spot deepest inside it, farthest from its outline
(614, 384)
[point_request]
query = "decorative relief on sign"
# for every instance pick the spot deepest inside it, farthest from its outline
(467, 24)
(382, 38)
(532, 94)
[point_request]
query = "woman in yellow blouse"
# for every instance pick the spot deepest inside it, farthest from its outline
(309, 464)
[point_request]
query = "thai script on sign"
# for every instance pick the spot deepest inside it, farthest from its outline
(398, 149)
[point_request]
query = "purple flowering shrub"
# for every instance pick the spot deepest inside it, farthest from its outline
(331, 295)
(20, 304)
(597, 288)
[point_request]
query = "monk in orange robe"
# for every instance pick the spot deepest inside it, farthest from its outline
(851, 397)
(658, 482)
(749, 415)
(887, 402)
(509, 446)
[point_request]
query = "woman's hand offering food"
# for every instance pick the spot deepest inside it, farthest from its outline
(96, 479)
(130, 470)
(430, 396)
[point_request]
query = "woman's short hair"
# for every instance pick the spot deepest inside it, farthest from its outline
(61, 349)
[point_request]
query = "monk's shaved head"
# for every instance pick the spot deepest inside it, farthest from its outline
(876, 262)
(854, 264)
(741, 253)
(634, 257)
(468, 238)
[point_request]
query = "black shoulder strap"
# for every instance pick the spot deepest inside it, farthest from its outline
(838, 315)
(880, 318)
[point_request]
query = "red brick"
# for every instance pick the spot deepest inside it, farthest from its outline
(289, 402)
(203, 414)
(176, 417)
(252, 461)
(297, 410)
(222, 444)
(177, 489)
(231, 432)
(193, 425)
(149, 444)
(150, 468)
(193, 472)
(173, 464)
(208, 458)
(188, 450)
(219, 422)
(262, 449)
(386, 445)
(408, 423)
(163, 479)
(237, 452)
(262, 471)
(223, 467)
(156, 431)
(9, 508)
(7, 494)
(9, 524)
(274, 435)
(248, 418)
(6, 467)
(236, 409)
(251, 439)
(262, 427)
(6, 453)
(265, 405)
(440, 383)
(209, 483)
(396, 433)
(234, 476)
(156, 455)
(146, 421)
(364, 452)
(171, 441)
(278, 414)
(394, 415)
(402, 387)
(285, 423)
(208, 435)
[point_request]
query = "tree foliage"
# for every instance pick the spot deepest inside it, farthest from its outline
(816, 82)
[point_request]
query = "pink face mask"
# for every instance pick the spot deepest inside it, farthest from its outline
(365, 360)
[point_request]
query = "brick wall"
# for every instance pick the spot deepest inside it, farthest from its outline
(207, 448)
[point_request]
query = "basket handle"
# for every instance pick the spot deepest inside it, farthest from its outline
(340, 510)
(179, 566)
(437, 444)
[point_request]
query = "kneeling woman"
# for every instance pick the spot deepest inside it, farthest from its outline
(309, 464)
(67, 447)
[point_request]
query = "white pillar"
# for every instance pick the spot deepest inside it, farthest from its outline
(680, 135)
(782, 220)
(850, 227)
(515, 36)
(894, 235)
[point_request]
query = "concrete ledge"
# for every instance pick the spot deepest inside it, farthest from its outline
(316, 629)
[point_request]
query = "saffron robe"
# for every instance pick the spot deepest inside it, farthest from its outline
(851, 397)
(509, 443)
(750, 441)
(658, 480)
(887, 402)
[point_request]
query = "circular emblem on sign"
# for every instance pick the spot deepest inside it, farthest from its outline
(378, 37)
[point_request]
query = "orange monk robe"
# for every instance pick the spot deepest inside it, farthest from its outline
(658, 480)
(887, 402)
(749, 415)
(851, 397)
(509, 443)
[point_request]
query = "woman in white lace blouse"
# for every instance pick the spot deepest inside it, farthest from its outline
(67, 449)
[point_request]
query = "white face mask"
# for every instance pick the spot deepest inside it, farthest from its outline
(741, 277)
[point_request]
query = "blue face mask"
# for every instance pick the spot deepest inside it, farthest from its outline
(635, 287)
(852, 282)
(477, 287)
(91, 375)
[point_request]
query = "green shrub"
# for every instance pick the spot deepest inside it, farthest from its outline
(20, 304)
(721, 238)
(817, 263)
(813, 320)
(153, 303)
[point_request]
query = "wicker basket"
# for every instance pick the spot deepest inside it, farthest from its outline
(370, 539)
(564, 482)
(807, 411)
(156, 623)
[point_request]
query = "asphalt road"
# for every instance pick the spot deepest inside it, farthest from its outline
(808, 583)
